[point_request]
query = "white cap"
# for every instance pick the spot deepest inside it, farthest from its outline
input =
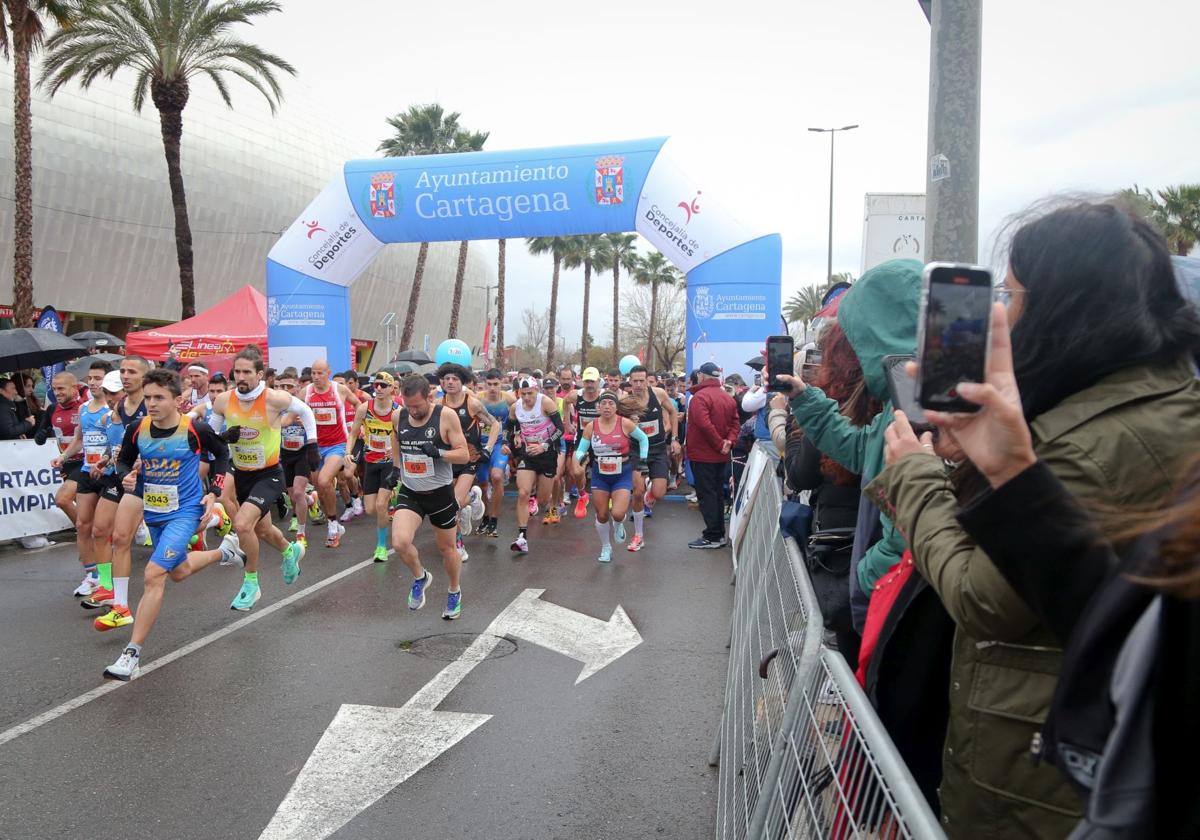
(112, 382)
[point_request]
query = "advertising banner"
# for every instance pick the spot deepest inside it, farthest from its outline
(49, 320)
(27, 487)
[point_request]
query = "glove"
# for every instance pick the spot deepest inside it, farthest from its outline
(313, 456)
(485, 454)
(429, 448)
(232, 434)
(39, 437)
(393, 477)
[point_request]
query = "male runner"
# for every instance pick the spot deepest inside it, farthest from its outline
(328, 401)
(534, 427)
(294, 449)
(585, 406)
(169, 447)
(680, 399)
(198, 394)
(657, 420)
(473, 418)
(427, 443)
(565, 478)
(612, 380)
(64, 422)
(497, 402)
(252, 413)
(377, 421)
(349, 481)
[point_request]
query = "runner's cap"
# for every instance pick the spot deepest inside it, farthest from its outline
(590, 375)
(112, 382)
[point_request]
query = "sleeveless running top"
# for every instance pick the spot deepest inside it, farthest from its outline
(292, 439)
(64, 420)
(499, 410)
(588, 410)
(95, 437)
(651, 421)
(470, 425)
(377, 429)
(171, 471)
(611, 449)
(257, 448)
(330, 411)
(117, 423)
(536, 427)
(422, 473)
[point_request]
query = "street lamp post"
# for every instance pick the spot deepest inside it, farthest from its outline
(487, 304)
(831, 132)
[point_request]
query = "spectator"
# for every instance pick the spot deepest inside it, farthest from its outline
(712, 430)
(753, 403)
(1101, 345)
(14, 422)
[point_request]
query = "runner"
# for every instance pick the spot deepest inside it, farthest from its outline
(565, 477)
(497, 402)
(535, 428)
(657, 420)
(168, 446)
(197, 395)
(473, 418)
(377, 421)
(252, 413)
(295, 453)
(349, 481)
(585, 405)
(64, 423)
(427, 443)
(328, 401)
(672, 389)
(612, 475)
(103, 474)
(613, 380)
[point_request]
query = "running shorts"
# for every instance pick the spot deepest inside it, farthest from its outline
(87, 485)
(338, 450)
(500, 459)
(439, 505)
(72, 471)
(612, 483)
(171, 538)
(545, 464)
(293, 467)
(471, 468)
(657, 465)
(258, 487)
(375, 474)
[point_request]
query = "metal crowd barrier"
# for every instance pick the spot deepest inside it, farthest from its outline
(802, 754)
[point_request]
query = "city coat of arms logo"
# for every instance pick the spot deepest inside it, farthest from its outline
(382, 196)
(703, 304)
(272, 311)
(610, 180)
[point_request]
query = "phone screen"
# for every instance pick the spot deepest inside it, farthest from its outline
(780, 349)
(902, 388)
(954, 326)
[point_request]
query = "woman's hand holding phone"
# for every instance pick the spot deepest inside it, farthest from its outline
(794, 385)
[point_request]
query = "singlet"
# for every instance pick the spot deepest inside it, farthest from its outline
(64, 421)
(118, 421)
(420, 472)
(536, 427)
(171, 472)
(257, 447)
(330, 411)
(470, 426)
(610, 450)
(587, 410)
(95, 437)
(292, 439)
(377, 431)
(499, 410)
(651, 422)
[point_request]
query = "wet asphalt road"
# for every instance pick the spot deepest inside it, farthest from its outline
(209, 745)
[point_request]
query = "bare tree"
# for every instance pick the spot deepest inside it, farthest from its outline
(535, 330)
(670, 328)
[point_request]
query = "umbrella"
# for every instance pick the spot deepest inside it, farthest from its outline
(94, 338)
(399, 368)
(757, 363)
(417, 357)
(79, 368)
(25, 348)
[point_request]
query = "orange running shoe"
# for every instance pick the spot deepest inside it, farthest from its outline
(551, 517)
(581, 506)
(118, 616)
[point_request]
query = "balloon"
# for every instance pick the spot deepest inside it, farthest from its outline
(628, 363)
(453, 350)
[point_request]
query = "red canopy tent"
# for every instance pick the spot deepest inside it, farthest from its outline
(221, 330)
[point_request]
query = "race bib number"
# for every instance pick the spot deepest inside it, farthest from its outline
(95, 444)
(379, 443)
(326, 416)
(249, 457)
(161, 498)
(649, 429)
(293, 438)
(418, 465)
(610, 465)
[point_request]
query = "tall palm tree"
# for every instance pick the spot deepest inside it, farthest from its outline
(167, 43)
(588, 251)
(427, 130)
(468, 141)
(1181, 212)
(804, 304)
(501, 246)
(27, 20)
(654, 270)
(619, 250)
(557, 247)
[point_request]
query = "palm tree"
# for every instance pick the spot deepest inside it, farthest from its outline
(619, 250)
(468, 141)
(28, 23)
(588, 251)
(653, 270)
(167, 43)
(427, 130)
(804, 305)
(1175, 210)
(501, 245)
(557, 247)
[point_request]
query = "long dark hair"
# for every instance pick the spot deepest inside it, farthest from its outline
(1100, 295)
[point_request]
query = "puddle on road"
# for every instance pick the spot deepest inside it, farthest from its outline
(447, 647)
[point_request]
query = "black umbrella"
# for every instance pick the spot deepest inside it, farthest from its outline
(80, 367)
(757, 363)
(94, 338)
(399, 368)
(417, 357)
(25, 348)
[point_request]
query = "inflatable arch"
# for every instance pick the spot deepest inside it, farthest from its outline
(733, 273)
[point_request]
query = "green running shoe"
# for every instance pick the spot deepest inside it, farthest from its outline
(291, 562)
(247, 597)
(380, 554)
(453, 606)
(294, 526)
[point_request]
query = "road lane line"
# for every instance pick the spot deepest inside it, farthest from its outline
(101, 690)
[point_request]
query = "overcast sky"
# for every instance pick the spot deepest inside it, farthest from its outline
(1078, 95)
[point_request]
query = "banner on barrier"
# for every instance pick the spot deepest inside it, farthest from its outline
(27, 487)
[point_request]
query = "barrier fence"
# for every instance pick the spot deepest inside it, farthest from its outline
(802, 754)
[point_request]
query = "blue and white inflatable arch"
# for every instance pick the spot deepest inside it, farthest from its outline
(733, 273)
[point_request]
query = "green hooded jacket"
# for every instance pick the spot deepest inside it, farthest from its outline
(879, 317)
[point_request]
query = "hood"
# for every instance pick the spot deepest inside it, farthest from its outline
(879, 317)
(707, 383)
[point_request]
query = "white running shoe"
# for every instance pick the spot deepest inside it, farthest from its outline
(231, 551)
(477, 510)
(357, 504)
(464, 519)
(87, 586)
(520, 545)
(347, 514)
(125, 668)
(142, 535)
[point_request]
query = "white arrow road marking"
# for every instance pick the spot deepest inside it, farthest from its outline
(369, 750)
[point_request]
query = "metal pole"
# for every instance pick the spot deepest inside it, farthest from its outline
(829, 264)
(952, 179)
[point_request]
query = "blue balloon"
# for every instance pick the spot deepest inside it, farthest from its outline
(628, 363)
(453, 350)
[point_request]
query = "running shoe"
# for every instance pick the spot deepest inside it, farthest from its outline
(573, 493)
(476, 502)
(462, 551)
(347, 514)
(334, 538)
(619, 530)
(581, 506)
(292, 555)
(416, 596)
(673, 484)
(247, 597)
(142, 536)
(520, 545)
(380, 555)
(635, 544)
(314, 507)
(87, 586)
(493, 530)
(551, 517)
(303, 540)
(198, 542)
(125, 668)
(481, 528)
(356, 504)
(100, 598)
(294, 526)
(225, 525)
(453, 606)
(464, 519)
(118, 616)
(533, 506)
(231, 552)
(605, 554)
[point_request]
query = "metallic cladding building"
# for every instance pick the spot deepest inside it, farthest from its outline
(104, 241)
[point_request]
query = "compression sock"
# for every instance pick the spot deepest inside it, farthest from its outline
(639, 519)
(105, 572)
(603, 529)
(381, 537)
(89, 569)
(252, 577)
(120, 589)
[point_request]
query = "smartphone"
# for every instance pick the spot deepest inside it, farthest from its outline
(954, 331)
(758, 379)
(780, 350)
(902, 388)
